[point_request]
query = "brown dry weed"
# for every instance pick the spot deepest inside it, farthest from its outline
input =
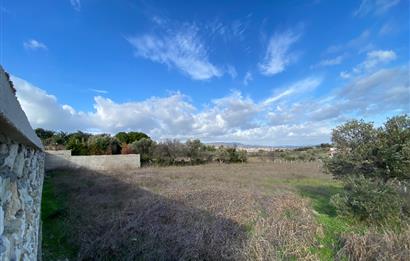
(209, 212)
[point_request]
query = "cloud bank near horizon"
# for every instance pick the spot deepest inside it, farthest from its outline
(287, 117)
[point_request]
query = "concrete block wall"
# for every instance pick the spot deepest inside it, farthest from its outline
(60, 159)
(21, 179)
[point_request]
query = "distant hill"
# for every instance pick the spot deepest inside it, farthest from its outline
(237, 144)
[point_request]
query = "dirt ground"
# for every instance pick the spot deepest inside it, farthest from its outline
(207, 212)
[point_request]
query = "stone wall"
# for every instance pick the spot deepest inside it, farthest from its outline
(21, 179)
(60, 159)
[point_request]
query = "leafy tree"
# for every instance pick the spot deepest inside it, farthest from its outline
(376, 153)
(135, 136)
(394, 142)
(122, 137)
(44, 134)
(356, 144)
(130, 137)
(59, 138)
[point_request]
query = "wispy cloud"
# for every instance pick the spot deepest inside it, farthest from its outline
(373, 60)
(229, 31)
(277, 55)
(76, 4)
(34, 45)
(181, 48)
(299, 87)
(360, 43)
(99, 91)
(387, 28)
(231, 71)
(374, 7)
(248, 77)
(330, 62)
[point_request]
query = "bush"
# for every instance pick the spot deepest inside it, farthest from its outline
(230, 155)
(372, 201)
(77, 146)
(375, 167)
(99, 145)
(145, 147)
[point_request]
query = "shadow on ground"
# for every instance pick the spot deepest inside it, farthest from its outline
(320, 195)
(110, 218)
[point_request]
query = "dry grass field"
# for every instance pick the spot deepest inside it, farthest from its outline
(252, 211)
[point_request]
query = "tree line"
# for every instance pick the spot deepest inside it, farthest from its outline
(168, 152)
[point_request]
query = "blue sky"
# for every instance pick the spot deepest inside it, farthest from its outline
(260, 72)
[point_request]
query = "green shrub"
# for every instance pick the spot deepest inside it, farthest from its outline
(372, 201)
(145, 147)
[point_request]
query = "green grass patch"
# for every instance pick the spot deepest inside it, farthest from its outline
(319, 191)
(55, 244)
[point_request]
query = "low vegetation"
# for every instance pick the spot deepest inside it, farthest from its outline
(310, 153)
(164, 153)
(261, 210)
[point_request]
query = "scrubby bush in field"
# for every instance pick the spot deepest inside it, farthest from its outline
(230, 155)
(77, 146)
(374, 163)
(99, 144)
(197, 152)
(168, 152)
(144, 147)
(370, 200)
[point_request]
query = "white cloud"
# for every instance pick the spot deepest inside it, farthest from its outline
(76, 4)
(277, 55)
(290, 116)
(181, 49)
(248, 77)
(43, 109)
(33, 44)
(375, 7)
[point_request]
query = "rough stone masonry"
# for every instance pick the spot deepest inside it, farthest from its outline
(21, 179)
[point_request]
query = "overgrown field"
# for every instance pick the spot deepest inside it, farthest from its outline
(253, 211)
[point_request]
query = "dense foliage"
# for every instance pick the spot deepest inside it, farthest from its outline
(374, 164)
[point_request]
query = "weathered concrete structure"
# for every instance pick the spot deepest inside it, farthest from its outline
(59, 159)
(21, 179)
